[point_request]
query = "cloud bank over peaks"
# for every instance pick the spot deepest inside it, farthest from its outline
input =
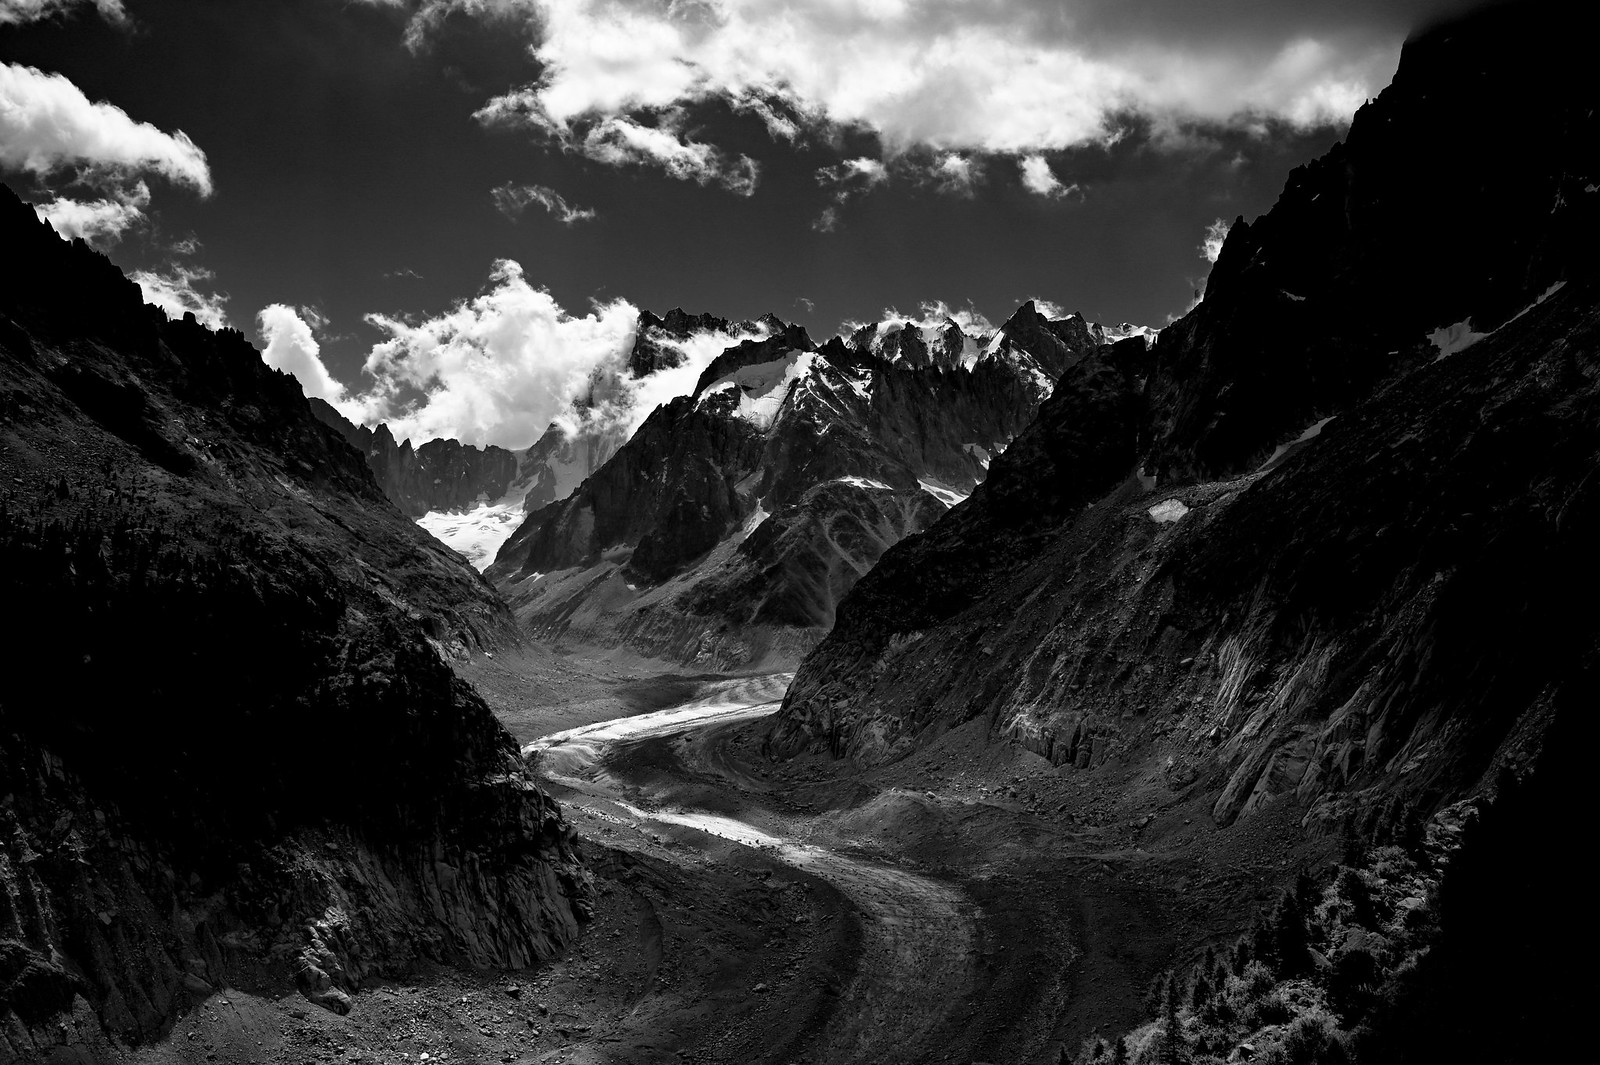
(932, 315)
(495, 369)
(101, 222)
(175, 291)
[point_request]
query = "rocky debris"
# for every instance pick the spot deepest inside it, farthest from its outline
(239, 758)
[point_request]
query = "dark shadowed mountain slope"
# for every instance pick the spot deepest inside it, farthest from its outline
(1463, 192)
(439, 475)
(1350, 598)
(730, 525)
(232, 753)
(1088, 616)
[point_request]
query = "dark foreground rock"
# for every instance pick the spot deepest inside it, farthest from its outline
(232, 753)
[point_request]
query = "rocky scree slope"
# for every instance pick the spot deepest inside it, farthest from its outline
(727, 529)
(232, 753)
(1341, 613)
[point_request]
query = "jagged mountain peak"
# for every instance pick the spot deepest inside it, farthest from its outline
(781, 338)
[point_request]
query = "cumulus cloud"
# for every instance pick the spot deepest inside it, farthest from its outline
(176, 293)
(1211, 243)
(100, 221)
(1039, 179)
(511, 200)
(502, 367)
(620, 140)
(46, 123)
(496, 369)
(291, 346)
(18, 12)
(946, 75)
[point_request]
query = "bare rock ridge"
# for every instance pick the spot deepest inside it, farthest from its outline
(233, 755)
(728, 528)
(1198, 572)
(439, 475)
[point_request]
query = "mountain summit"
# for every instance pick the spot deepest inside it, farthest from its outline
(728, 528)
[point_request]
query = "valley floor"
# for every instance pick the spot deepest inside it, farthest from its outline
(970, 904)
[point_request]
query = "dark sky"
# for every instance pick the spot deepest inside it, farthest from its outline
(350, 175)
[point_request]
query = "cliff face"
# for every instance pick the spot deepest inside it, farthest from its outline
(439, 475)
(1367, 613)
(729, 527)
(233, 753)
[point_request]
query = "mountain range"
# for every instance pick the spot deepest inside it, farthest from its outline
(1296, 586)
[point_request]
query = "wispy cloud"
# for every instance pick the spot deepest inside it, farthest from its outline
(101, 221)
(512, 200)
(176, 292)
(844, 180)
(1211, 243)
(620, 140)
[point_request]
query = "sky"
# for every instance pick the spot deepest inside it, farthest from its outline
(446, 213)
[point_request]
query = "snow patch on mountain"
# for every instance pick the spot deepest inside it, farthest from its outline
(1311, 432)
(763, 387)
(864, 482)
(942, 492)
(1450, 339)
(1167, 511)
(478, 533)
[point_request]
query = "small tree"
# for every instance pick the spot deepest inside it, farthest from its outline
(1200, 993)
(1172, 1035)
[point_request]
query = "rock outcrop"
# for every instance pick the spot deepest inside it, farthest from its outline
(729, 527)
(439, 475)
(233, 753)
(1314, 556)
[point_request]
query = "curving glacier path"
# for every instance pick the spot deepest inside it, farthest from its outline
(917, 955)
